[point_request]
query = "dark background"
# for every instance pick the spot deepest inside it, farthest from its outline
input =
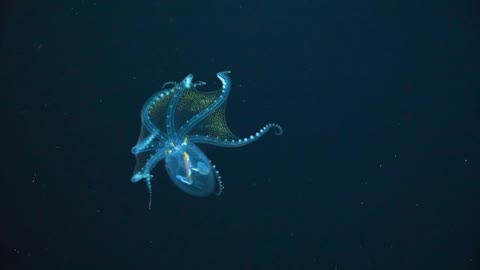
(378, 166)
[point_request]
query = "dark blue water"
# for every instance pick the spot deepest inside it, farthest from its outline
(378, 166)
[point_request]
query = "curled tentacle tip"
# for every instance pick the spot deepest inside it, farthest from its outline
(279, 130)
(168, 83)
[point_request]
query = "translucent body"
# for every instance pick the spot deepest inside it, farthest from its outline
(191, 171)
(173, 121)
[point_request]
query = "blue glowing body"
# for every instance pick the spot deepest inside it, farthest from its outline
(173, 121)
